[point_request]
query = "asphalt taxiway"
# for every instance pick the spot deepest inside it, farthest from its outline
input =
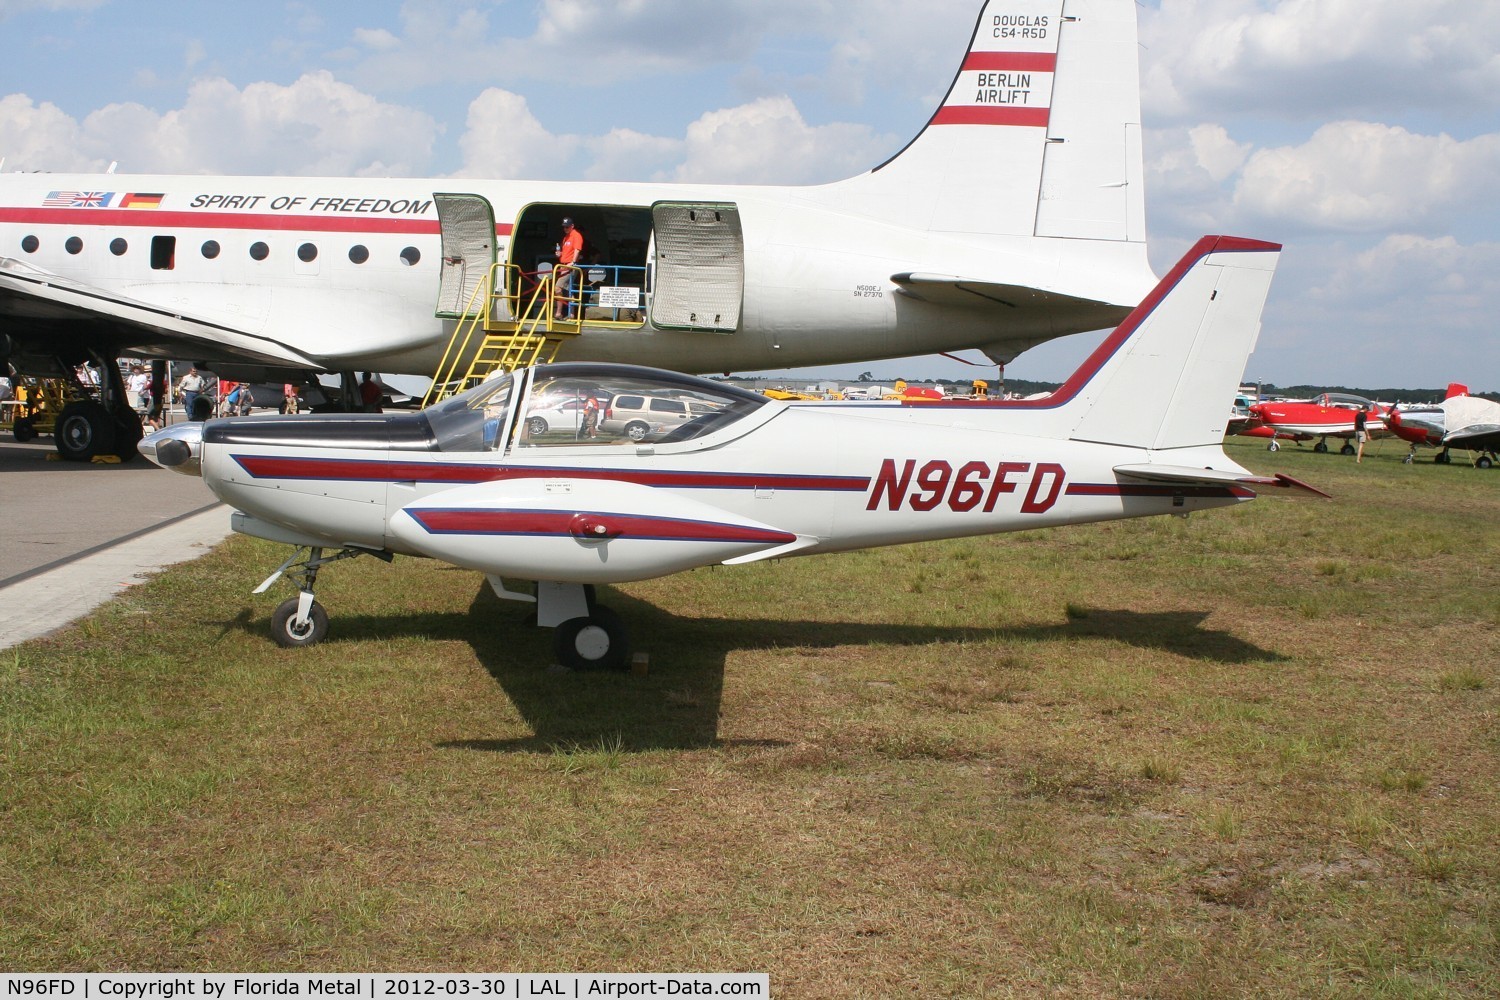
(72, 535)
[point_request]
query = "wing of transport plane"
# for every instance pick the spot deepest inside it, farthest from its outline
(127, 326)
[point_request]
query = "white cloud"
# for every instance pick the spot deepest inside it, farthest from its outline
(42, 137)
(1368, 177)
(376, 39)
(1319, 58)
(767, 141)
(504, 139)
(315, 126)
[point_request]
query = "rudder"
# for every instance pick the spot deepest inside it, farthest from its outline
(1039, 134)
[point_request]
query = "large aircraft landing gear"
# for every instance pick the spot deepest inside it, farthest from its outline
(90, 428)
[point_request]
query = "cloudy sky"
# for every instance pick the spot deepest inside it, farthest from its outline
(1363, 134)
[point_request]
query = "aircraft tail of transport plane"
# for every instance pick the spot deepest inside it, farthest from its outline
(578, 474)
(1015, 216)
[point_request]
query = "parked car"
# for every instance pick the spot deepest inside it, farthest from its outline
(564, 416)
(641, 417)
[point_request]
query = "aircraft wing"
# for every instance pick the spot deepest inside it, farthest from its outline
(1183, 475)
(35, 303)
(1475, 436)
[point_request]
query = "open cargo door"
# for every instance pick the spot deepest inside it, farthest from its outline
(467, 222)
(700, 267)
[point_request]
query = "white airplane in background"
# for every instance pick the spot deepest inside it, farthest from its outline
(1137, 430)
(1017, 215)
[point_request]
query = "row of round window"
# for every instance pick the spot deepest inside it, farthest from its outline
(307, 252)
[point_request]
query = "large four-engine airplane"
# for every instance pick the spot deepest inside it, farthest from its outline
(1014, 217)
(714, 474)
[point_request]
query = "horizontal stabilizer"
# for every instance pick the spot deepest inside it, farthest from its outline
(1181, 475)
(952, 290)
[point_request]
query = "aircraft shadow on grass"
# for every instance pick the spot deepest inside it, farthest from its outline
(677, 705)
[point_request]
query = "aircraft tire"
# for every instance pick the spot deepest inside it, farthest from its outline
(128, 433)
(84, 429)
(24, 431)
(284, 628)
(1347, 449)
(1483, 462)
(1320, 447)
(597, 641)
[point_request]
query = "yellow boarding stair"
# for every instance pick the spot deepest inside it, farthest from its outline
(510, 322)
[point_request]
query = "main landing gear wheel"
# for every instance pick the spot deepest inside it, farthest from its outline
(1347, 449)
(84, 429)
(597, 641)
(288, 632)
(1321, 447)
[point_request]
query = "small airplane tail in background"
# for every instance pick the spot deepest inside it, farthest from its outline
(1456, 389)
(1039, 134)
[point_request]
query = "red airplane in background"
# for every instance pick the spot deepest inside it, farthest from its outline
(1459, 421)
(1329, 415)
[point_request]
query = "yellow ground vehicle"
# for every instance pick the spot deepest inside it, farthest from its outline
(36, 406)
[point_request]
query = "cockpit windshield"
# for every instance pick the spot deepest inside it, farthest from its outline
(617, 404)
(473, 420)
(589, 404)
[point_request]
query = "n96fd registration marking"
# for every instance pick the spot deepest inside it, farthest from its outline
(972, 485)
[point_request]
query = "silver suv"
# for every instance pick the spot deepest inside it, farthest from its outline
(641, 417)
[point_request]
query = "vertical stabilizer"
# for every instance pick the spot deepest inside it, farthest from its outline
(1039, 135)
(1163, 380)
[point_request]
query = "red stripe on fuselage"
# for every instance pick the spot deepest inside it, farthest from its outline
(378, 470)
(559, 522)
(158, 219)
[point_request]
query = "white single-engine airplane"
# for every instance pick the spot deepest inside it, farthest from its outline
(1017, 215)
(715, 474)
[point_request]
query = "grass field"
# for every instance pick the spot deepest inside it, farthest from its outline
(1251, 752)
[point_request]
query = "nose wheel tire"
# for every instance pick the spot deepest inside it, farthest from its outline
(597, 641)
(287, 631)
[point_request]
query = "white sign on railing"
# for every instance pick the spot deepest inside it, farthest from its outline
(620, 297)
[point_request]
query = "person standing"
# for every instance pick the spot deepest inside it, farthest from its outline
(569, 257)
(1359, 435)
(190, 386)
(369, 394)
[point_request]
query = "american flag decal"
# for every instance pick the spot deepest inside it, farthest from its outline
(78, 199)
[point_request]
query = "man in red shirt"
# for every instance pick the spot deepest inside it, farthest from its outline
(569, 257)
